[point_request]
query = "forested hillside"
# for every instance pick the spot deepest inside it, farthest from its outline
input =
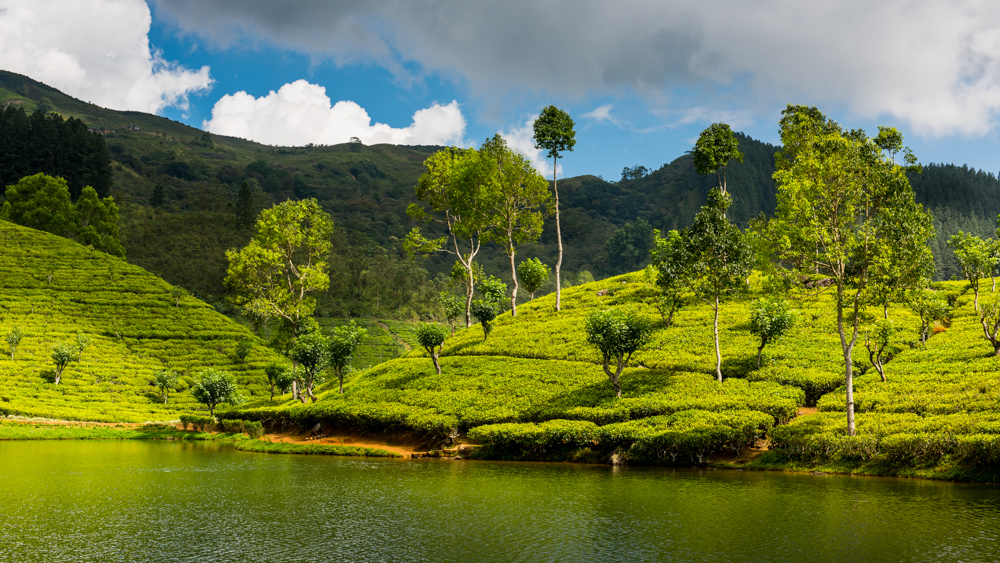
(178, 187)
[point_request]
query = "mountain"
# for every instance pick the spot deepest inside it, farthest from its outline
(177, 188)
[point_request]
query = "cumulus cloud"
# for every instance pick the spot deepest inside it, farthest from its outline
(300, 113)
(96, 51)
(523, 139)
(933, 64)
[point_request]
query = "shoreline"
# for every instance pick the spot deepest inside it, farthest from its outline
(357, 446)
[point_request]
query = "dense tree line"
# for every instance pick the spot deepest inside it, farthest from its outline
(49, 144)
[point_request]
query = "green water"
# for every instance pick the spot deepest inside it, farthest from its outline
(166, 502)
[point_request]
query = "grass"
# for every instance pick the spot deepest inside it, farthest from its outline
(54, 289)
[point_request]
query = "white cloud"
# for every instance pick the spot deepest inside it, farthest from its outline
(300, 113)
(523, 139)
(97, 51)
(932, 64)
(601, 113)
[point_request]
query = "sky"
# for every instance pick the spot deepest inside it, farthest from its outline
(641, 79)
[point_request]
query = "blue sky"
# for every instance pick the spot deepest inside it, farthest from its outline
(640, 78)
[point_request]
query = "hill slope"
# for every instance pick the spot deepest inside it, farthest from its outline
(535, 390)
(53, 289)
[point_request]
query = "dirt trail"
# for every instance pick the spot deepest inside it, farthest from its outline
(807, 411)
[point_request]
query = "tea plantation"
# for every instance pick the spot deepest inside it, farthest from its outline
(535, 390)
(54, 289)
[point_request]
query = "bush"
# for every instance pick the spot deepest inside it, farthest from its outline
(199, 423)
(251, 427)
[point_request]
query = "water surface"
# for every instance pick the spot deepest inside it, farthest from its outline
(160, 501)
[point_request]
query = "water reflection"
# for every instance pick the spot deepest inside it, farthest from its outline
(142, 501)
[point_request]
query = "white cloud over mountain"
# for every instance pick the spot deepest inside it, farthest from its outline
(300, 113)
(97, 51)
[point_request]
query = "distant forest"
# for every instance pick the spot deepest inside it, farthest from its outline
(178, 192)
(54, 146)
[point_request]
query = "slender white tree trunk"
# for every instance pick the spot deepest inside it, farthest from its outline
(555, 188)
(513, 275)
(718, 352)
(848, 348)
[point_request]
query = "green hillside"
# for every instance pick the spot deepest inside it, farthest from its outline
(54, 289)
(366, 189)
(535, 390)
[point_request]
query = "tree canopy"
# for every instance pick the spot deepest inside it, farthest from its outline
(285, 261)
(845, 210)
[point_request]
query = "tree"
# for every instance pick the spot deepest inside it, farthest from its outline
(989, 319)
(711, 259)
(42, 202)
(628, 248)
(532, 274)
(159, 197)
(343, 341)
(243, 348)
(13, 339)
(285, 261)
(490, 306)
(177, 293)
(62, 354)
(929, 308)
(877, 340)
(770, 319)
(453, 307)
(431, 336)
(669, 266)
(617, 334)
(216, 387)
(842, 205)
(80, 343)
(715, 147)
(451, 189)
(517, 196)
(166, 381)
(97, 223)
(311, 353)
(554, 133)
(279, 378)
(977, 258)
(247, 202)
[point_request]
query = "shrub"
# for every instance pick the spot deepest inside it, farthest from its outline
(197, 422)
(431, 337)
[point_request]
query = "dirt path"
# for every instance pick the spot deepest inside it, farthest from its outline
(406, 450)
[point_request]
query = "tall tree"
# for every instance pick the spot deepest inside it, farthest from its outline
(285, 261)
(517, 197)
(712, 260)
(246, 202)
(451, 190)
(554, 133)
(841, 203)
(715, 147)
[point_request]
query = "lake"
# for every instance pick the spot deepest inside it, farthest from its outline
(142, 501)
